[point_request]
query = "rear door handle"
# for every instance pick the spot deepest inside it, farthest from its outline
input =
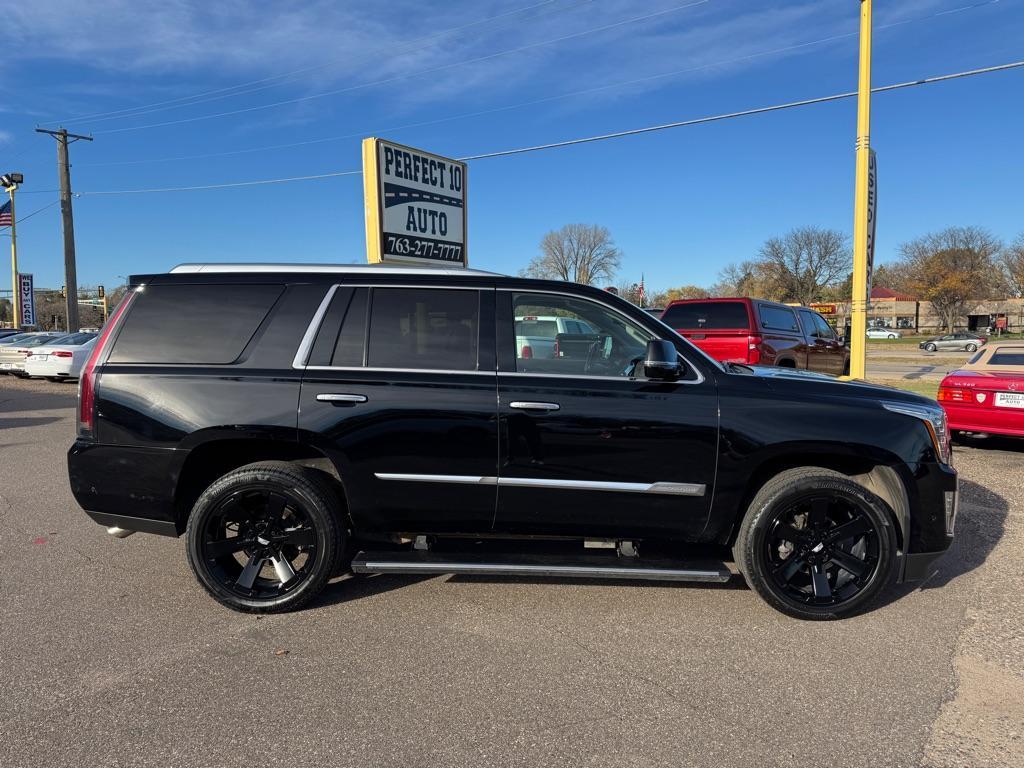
(339, 398)
(526, 405)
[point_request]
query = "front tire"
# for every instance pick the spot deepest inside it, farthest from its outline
(266, 537)
(972, 347)
(930, 347)
(816, 545)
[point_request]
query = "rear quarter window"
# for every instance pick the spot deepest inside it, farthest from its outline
(197, 324)
(778, 318)
(712, 315)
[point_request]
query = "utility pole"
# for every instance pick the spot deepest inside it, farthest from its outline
(64, 171)
(10, 182)
(859, 299)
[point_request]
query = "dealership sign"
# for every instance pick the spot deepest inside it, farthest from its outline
(415, 205)
(872, 213)
(26, 300)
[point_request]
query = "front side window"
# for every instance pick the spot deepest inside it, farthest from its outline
(810, 327)
(593, 340)
(431, 328)
(823, 328)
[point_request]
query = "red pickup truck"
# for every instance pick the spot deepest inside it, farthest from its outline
(758, 332)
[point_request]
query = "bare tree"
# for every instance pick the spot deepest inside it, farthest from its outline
(802, 264)
(745, 278)
(1011, 266)
(578, 253)
(952, 269)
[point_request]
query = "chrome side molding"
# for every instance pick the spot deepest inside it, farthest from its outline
(666, 488)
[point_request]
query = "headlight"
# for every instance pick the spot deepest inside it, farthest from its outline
(935, 419)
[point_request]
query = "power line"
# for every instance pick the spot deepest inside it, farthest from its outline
(604, 136)
(233, 90)
(28, 216)
(396, 78)
(544, 100)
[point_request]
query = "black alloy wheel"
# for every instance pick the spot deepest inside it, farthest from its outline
(265, 537)
(816, 545)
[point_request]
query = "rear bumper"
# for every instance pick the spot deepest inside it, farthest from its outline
(128, 487)
(1000, 421)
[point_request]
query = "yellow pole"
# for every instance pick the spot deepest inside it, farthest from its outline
(15, 304)
(859, 300)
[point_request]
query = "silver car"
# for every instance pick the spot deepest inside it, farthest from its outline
(953, 341)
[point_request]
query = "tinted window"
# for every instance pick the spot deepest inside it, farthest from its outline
(711, 315)
(598, 341)
(778, 318)
(201, 324)
(424, 328)
(810, 327)
(1010, 356)
(824, 329)
(342, 336)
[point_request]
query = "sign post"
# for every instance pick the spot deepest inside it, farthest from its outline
(26, 299)
(415, 206)
(861, 224)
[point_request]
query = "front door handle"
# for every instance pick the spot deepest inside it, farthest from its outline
(338, 398)
(531, 406)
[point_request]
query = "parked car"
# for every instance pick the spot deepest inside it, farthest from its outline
(547, 337)
(758, 332)
(62, 359)
(883, 333)
(8, 332)
(12, 356)
(986, 395)
(968, 342)
(16, 337)
(297, 421)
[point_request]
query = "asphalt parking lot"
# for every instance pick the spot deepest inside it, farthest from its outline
(113, 656)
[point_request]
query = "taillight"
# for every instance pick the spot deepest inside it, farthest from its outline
(62, 353)
(754, 349)
(952, 395)
(87, 377)
(527, 352)
(557, 353)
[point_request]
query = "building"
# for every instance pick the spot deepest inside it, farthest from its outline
(890, 309)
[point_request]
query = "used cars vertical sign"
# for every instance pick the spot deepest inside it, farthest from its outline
(415, 205)
(26, 299)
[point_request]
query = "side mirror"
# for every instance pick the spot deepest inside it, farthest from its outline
(661, 361)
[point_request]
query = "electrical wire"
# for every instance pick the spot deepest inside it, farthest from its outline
(273, 80)
(28, 216)
(396, 78)
(535, 102)
(604, 136)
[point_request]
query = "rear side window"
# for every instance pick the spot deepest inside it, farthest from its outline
(711, 315)
(1007, 356)
(424, 328)
(197, 324)
(778, 318)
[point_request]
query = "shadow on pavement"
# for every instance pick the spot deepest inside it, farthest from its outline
(27, 421)
(354, 587)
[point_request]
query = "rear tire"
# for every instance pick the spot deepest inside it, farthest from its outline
(266, 537)
(790, 551)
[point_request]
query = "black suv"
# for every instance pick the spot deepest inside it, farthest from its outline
(299, 421)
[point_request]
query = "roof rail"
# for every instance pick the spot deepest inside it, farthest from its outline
(327, 268)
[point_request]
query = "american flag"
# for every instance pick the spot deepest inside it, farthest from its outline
(6, 220)
(642, 294)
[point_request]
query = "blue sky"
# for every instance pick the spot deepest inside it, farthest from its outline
(681, 204)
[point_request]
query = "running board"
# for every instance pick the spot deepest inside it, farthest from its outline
(582, 567)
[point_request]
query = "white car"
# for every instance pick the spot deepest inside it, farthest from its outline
(883, 333)
(536, 334)
(63, 360)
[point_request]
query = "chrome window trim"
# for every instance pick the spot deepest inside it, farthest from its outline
(700, 376)
(448, 371)
(306, 345)
(659, 488)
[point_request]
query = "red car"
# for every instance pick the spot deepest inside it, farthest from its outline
(758, 332)
(987, 394)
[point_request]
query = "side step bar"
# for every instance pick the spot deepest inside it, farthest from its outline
(583, 567)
